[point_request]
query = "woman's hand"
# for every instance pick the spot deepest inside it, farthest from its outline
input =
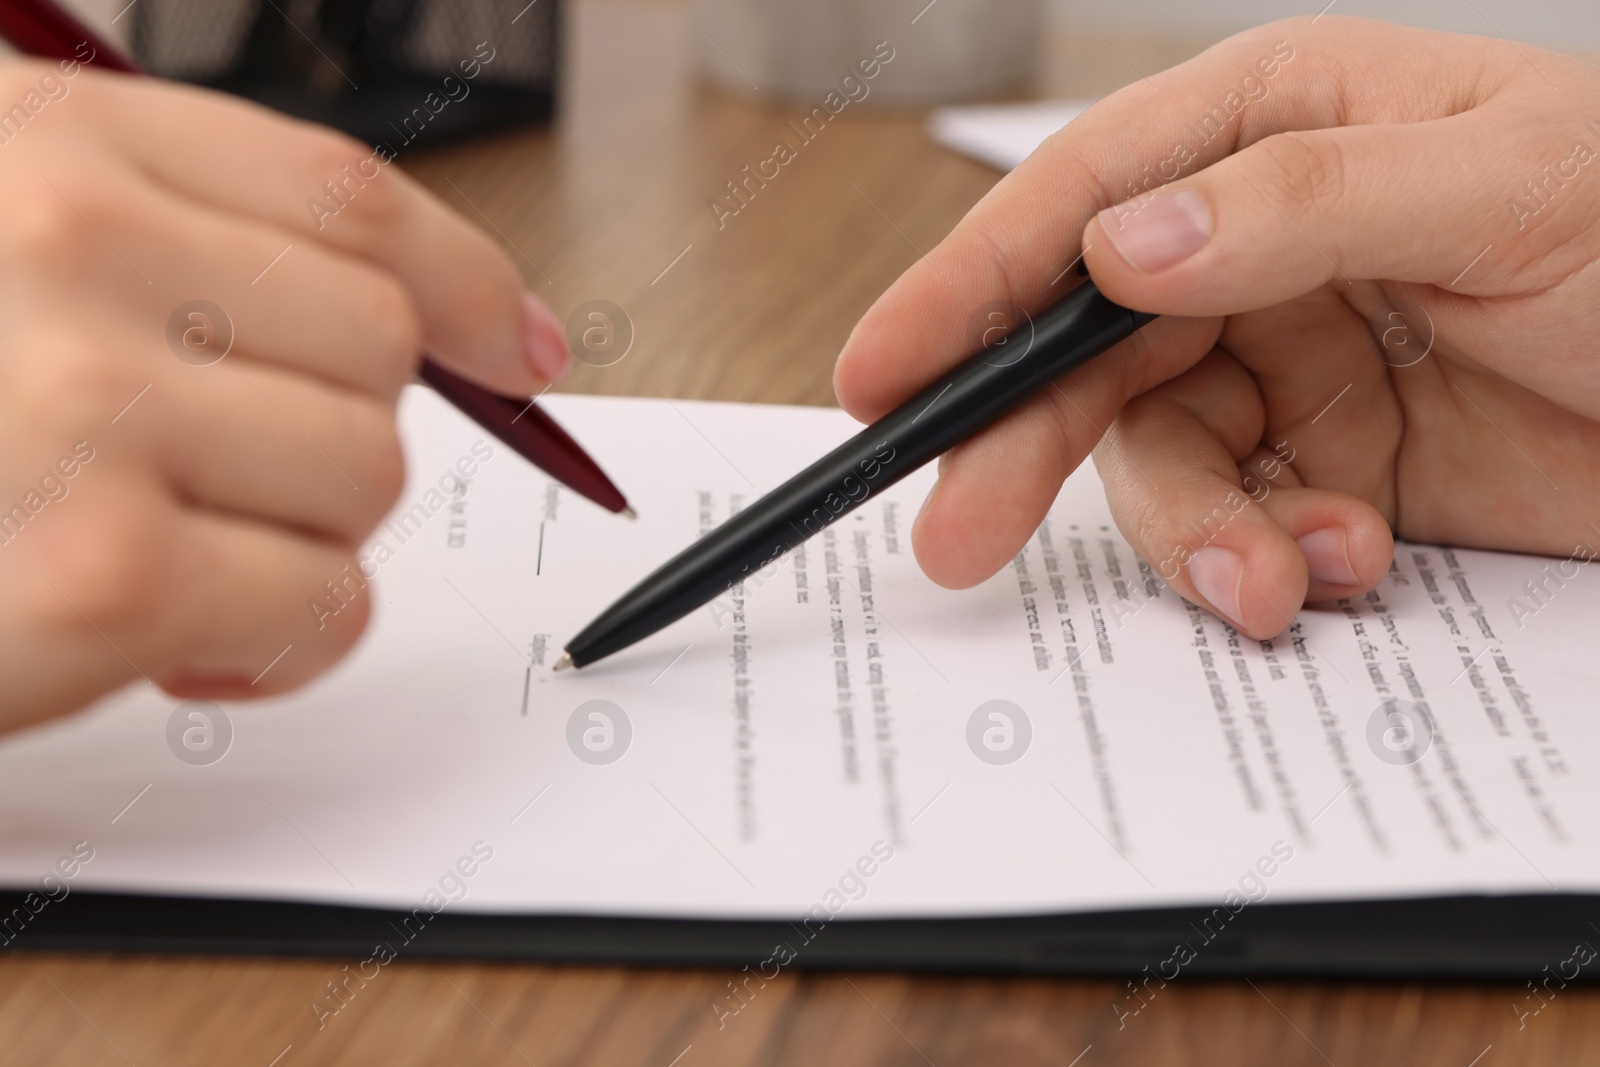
(1375, 249)
(166, 514)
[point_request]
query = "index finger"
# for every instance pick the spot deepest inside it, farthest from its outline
(308, 180)
(1013, 248)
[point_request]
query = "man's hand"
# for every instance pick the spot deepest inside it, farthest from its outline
(1375, 249)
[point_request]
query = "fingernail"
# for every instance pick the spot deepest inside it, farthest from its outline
(1164, 230)
(544, 340)
(1327, 553)
(1217, 574)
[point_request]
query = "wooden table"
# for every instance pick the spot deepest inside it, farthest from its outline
(612, 205)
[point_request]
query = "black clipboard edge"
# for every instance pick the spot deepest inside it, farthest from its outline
(1485, 938)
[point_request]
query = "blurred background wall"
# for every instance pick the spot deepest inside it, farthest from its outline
(1570, 24)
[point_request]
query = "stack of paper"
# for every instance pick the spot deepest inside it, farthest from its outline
(1002, 135)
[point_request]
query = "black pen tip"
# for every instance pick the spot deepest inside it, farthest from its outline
(564, 662)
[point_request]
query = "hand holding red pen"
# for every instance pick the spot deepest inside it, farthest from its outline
(171, 520)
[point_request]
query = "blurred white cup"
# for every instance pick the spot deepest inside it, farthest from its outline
(945, 51)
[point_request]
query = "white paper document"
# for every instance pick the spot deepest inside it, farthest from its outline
(1002, 135)
(837, 730)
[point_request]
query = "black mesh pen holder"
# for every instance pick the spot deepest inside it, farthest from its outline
(391, 72)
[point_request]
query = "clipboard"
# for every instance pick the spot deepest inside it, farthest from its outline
(1479, 938)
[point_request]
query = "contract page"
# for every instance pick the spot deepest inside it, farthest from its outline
(836, 731)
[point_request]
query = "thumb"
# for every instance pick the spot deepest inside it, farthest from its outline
(1414, 202)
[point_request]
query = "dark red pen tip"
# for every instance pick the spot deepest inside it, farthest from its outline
(531, 433)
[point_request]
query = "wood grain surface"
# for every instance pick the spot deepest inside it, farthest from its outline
(612, 205)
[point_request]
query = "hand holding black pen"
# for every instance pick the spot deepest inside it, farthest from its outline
(1374, 254)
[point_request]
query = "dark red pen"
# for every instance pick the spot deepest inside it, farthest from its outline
(41, 28)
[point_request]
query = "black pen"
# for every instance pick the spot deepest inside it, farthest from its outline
(968, 399)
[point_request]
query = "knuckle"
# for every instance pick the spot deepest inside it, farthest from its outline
(396, 331)
(382, 462)
(338, 631)
(357, 612)
(1140, 513)
(356, 168)
(381, 205)
(45, 232)
(1301, 172)
(68, 383)
(397, 321)
(110, 565)
(1151, 531)
(377, 213)
(351, 177)
(388, 467)
(1068, 160)
(328, 152)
